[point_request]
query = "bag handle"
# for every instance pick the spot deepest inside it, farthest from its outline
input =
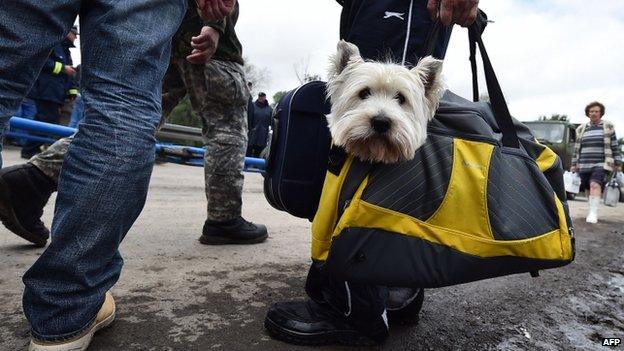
(497, 99)
(614, 176)
(473, 67)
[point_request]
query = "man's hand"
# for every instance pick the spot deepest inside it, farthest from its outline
(462, 12)
(214, 10)
(69, 70)
(204, 46)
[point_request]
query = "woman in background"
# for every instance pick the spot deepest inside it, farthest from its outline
(596, 152)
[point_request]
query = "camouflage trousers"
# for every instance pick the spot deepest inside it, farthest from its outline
(218, 93)
(51, 160)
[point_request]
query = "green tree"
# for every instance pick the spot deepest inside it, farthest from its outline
(554, 117)
(183, 115)
(278, 96)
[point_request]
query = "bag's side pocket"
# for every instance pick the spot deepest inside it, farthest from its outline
(520, 198)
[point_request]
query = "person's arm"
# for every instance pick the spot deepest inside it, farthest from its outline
(219, 26)
(72, 90)
(215, 10)
(250, 115)
(54, 67)
(617, 154)
(577, 150)
(204, 45)
(462, 12)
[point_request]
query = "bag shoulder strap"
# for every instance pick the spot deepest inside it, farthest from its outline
(482, 19)
(497, 99)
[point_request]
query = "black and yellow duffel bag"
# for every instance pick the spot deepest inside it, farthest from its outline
(480, 199)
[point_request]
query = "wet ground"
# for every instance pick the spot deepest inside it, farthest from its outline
(176, 294)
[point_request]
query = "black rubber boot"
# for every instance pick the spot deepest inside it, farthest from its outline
(24, 191)
(312, 323)
(237, 231)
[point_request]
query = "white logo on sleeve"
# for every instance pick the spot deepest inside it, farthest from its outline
(398, 15)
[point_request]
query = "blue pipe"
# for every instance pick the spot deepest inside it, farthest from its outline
(196, 152)
(200, 163)
(40, 127)
(259, 164)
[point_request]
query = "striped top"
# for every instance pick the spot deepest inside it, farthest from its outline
(592, 150)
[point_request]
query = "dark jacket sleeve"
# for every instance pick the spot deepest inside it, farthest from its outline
(72, 86)
(219, 26)
(53, 67)
(250, 114)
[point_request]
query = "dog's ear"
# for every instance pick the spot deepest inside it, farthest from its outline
(429, 71)
(347, 53)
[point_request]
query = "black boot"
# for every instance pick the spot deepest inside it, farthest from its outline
(24, 191)
(236, 231)
(312, 323)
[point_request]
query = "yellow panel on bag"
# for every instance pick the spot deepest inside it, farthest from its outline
(464, 207)
(546, 160)
(554, 245)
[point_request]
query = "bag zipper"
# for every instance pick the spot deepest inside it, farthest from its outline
(458, 109)
(472, 137)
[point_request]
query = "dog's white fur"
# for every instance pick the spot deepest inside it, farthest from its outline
(352, 109)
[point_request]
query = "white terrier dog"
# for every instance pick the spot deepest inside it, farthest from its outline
(380, 110)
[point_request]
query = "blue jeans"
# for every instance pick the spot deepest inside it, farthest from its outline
(77, 112)
(28, 109)
(104, 181)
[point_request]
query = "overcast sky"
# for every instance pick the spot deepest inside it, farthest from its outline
(551, 56)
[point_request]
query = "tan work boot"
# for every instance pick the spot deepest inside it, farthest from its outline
(104, 318)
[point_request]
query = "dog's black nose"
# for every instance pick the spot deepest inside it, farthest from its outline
(380, 124)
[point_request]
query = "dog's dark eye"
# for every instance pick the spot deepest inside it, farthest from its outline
(401, 98)
(364, 93)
